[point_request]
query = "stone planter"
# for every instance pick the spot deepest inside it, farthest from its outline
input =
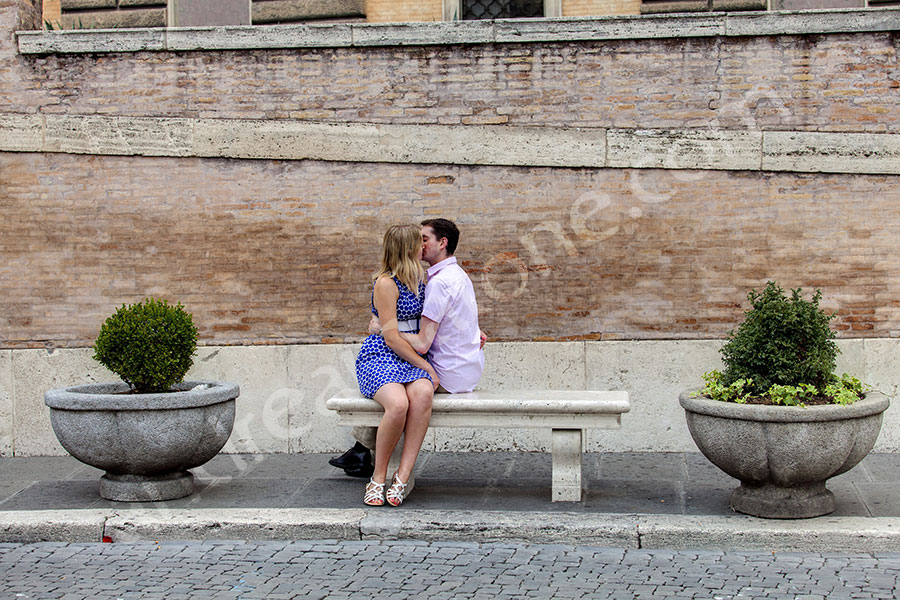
(783, 455)
(145, 442)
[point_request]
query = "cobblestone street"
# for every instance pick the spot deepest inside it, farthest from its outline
(406, 569)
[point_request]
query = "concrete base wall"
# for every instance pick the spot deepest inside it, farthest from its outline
(284, 388)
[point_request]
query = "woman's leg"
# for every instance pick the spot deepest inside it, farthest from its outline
(420, 393)
(392, 396)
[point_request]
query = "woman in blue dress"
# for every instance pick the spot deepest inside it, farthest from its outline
(390, 371)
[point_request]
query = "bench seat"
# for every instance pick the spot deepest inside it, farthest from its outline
(567, 413)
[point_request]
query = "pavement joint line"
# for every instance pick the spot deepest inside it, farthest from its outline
(620, 530)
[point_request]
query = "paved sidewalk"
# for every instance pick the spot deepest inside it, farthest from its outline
(631, 500)
(333, 569)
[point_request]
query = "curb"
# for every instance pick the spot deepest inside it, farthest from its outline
(630, 531)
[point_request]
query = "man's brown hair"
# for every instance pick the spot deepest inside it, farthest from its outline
(444, 228)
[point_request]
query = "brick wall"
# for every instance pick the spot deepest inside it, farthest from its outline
(275, 252)
(393, 11)
(587, 8)
(266, 251)
(829, 83)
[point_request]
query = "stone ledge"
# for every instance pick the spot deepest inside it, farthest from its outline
(677, 531)
(822, 534)
(462, 32)
(685, 149)
(831, 153)
(293, 140)
(26, 527)
(492, 145)
(234, 524)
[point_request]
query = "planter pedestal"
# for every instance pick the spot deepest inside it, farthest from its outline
(146, 488)
(145, 442)
(776, 502)
(783, 455)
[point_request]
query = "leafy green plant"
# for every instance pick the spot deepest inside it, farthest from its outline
(784, 341)
(50, 26)
(846, 390)
(150, 345)
(783, 353)
(734, 392)
(792, 395)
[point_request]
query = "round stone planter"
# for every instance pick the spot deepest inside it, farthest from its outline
(783, 455)
(145, 442)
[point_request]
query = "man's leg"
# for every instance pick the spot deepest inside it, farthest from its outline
(365, 435)
(357, 461)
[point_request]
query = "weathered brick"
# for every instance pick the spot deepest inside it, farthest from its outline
(268, 251)
(287, 259)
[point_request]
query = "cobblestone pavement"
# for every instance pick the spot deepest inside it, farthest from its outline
(407, 569)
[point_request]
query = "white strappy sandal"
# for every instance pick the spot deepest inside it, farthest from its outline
(374, 493)
(396, 494)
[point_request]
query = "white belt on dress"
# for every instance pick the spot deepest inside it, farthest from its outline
(408, 326)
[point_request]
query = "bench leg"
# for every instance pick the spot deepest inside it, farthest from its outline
(567, 465)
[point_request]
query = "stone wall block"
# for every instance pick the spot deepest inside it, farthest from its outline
(883, 373)
(274, 11)
(36, 371)
(115, 19)
(21, 133)
(315, 374)
(284, 389)
(7, 413)
(199, 13)
(503, 145)
(685, 149)
(519, 366)
(816, 152)
(118, 135)
(87, 4)
(851, 358)
(409, 34)
(261, 420)
(492, 145)
(653, 373)
(828, 21)
(248, 38)
(132, 3)
(77, 40)
(277, 139)
(618, 28)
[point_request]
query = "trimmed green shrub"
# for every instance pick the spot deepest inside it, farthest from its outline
(782, 341)
(150, 345)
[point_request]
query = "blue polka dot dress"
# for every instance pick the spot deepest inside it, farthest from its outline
(376, 363)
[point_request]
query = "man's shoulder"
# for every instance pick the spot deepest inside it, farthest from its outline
(452, 271)
(450, 277)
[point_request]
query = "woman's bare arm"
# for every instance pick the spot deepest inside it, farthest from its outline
(386, 295)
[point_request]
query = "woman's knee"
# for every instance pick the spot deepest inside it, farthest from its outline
(394, 401)
(397, 407)
(420, 396)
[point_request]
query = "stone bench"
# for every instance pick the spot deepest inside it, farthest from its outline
(567, 413)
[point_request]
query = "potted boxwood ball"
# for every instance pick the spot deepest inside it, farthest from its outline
(149, 429)
(778, 418)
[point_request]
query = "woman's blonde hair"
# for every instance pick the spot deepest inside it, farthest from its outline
(401, 251)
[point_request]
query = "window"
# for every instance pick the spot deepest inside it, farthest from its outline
(456, 10)
(91, 14)
(501, 9)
